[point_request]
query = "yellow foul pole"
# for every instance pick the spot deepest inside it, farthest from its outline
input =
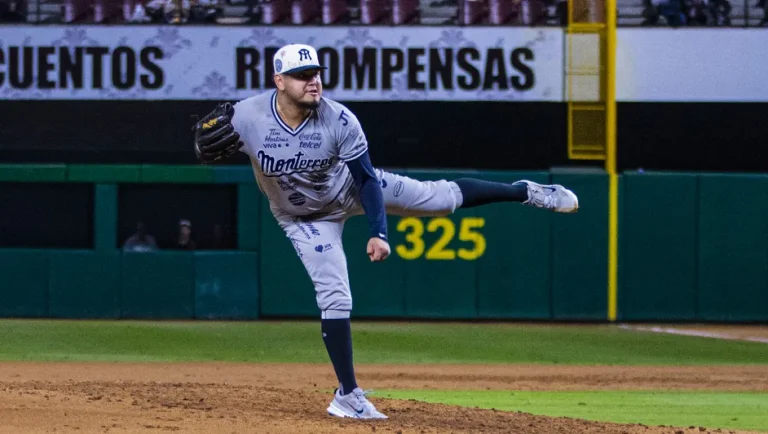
(610, 158)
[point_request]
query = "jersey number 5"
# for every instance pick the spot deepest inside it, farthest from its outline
(344, 118)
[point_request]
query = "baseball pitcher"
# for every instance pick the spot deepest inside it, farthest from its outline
(310, 158)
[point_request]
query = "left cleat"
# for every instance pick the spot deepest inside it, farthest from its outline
(554, 197)
(353, 405)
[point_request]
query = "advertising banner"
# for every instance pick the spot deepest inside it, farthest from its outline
(230, 63)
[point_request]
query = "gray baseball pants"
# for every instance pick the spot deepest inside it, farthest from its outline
(318, 239)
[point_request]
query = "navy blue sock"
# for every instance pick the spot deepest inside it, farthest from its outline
(337, 335)
(477, 192)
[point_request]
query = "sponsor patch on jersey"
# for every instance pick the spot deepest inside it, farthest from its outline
(323, 248)
(288, 185)
(313, 229)
(318, 177)
(273, 139)
(297, 199)
(322, 190)
(308, 229)
(399, 187)
(310, 140)
(298, 249)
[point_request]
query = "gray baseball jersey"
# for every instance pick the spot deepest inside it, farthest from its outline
(311, 192)
(300, 171)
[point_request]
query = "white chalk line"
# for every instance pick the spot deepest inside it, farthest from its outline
(697, 333)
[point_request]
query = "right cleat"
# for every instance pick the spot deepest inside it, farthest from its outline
(554, 197)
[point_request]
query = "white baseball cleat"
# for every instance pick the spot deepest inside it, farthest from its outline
(554, 197)
(353, 405)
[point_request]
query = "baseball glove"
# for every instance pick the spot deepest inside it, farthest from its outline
(215, 137)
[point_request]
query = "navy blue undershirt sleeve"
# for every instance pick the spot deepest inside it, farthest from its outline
(370, 194)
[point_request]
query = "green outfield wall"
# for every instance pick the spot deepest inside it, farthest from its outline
(692, 247)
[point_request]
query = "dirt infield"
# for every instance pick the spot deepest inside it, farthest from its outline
(217, 398)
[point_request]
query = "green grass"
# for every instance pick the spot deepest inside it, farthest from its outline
(266, 341)
(682, 409)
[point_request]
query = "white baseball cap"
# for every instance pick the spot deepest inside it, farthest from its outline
(295, 58)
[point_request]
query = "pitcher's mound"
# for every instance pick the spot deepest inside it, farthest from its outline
(249, 398)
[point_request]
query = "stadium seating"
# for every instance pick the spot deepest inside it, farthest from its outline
(741, 13)
(405, 12)
(502, 12)
(335, 12)
(110, 11)
(275, 11)
(305, 11)
(736, 13)
(74, 10)
(13, 10)
(375, 12)
(472, 12)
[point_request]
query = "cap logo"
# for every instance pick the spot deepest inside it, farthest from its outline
(304, 55)
(278, 66)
